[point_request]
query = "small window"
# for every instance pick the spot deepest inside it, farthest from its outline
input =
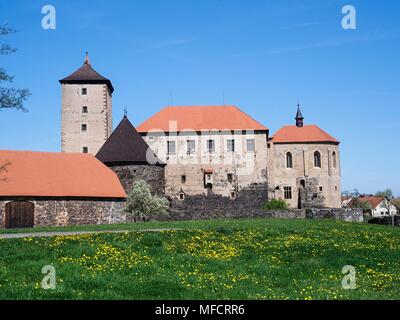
(181, 196)
(183, 178)
(191, 146)
(84, 91)
(303, 183)
(268, 145)
(211, 146)
(171, 147)
(85, 150)
(287, 192)
(84, 109)
(84, 127)
(335, 188)
(230, 177)
(230, 145)
(251, 145)
(233, 194)
(317, 159)
(289, 160)
(334, 159)
(320, 189)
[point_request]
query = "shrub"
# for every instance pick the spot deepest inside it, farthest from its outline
(275, 204)
(142, 204)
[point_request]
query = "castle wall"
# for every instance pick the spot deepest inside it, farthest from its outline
(98, 118)
(247, 168)
(153, 175)
(62, 212)
(327, 177)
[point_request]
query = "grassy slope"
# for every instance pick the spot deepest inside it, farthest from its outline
(231, 259)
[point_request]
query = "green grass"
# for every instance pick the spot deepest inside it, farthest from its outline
(218, 259)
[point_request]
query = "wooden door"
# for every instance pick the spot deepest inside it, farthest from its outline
(19, 214)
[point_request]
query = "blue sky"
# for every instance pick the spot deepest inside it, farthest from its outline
(263, 56)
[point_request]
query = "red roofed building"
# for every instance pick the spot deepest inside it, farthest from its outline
(44, 188)
(305, 166)
(209, 150)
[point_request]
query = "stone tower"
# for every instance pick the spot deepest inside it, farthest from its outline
(86, 110)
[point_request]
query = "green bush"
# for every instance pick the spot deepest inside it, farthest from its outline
(275, 204)
(142, 204)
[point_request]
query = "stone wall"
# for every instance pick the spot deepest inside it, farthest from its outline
(153, 175)
(345, 214)
(249, 199)
(321, 186)
(72, 212)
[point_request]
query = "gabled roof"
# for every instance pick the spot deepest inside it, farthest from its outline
(126, 146)
(51, 174)
(86, 74)
(374, 201)
(200, 118)
(307, 134)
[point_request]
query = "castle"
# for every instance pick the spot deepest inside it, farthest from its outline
(194, 151)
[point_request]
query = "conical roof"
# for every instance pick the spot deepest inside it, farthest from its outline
(126, 146)
(298, 114)
(86, 74)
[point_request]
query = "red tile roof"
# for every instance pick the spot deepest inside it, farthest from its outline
(374, 201)
(50, 174)
(200, 118)
(307, 133)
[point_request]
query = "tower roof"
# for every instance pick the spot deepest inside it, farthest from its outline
(299, 116)
(126, 146)
(86, 74)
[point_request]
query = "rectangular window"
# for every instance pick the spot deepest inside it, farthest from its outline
(84, 109)
(85, 150)
(84, 127)
(251, 145)
(84, 91)
(287, 192)
(230, 177)
(183, 179)
(171, 147)
(320, 189)
(230, 145)
(191, 146)
(211, 146)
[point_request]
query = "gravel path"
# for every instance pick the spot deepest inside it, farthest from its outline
(72, 233)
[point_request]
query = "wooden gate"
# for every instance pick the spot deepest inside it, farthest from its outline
(19, 214)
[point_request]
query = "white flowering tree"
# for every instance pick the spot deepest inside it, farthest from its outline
(142, 204)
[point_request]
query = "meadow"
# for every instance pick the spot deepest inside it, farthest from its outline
(218, 259)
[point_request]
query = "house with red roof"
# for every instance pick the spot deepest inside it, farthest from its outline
(209, 150)
(377, 205)
(304, 163)
(50, 188)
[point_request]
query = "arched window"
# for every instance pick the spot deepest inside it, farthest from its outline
(317, 159)
(289, 160)
(334, 159)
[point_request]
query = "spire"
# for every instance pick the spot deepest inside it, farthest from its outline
(299, 117)
(125, 112)
(87, 59)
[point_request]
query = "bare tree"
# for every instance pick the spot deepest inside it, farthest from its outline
(10, 98)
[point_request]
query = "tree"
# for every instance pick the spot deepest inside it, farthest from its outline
(142, 204)
(10, 98)
(388, 194)
(357, 203)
